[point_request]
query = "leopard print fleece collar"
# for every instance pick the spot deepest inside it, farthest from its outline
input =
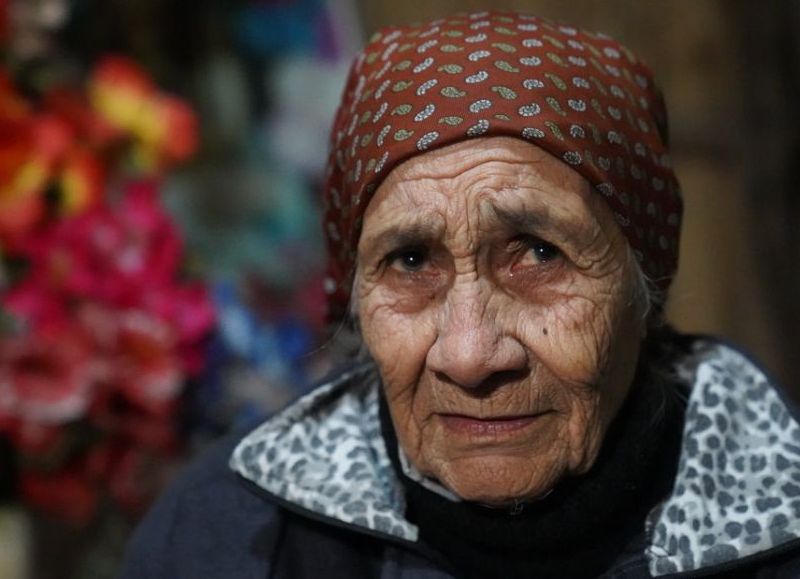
(736, 493)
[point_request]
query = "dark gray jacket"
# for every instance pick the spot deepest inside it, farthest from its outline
(311, 493)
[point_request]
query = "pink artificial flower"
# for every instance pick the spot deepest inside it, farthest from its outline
(33, 305)
(110, 254)
(189, 311)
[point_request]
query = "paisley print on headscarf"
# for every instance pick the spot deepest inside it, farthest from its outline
(580, 96)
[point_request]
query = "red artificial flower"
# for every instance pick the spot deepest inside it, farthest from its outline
(74, 108)
(46, 375)
(66, 493)
(53, 137)
(141, 362)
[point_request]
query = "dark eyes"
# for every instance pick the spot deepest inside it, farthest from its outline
(408, 259)
(543, 251)
(414, 259)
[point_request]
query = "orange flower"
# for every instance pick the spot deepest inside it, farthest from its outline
(120, 91)
(167, 132)
(82, 181)
(163, 128)
(22, 178)
(30, 149)
(37, 150)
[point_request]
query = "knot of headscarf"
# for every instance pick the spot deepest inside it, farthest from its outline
(580, 96)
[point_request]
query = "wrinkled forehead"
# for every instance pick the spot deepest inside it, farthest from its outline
(485, 186)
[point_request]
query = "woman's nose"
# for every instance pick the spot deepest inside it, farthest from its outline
(471, 347)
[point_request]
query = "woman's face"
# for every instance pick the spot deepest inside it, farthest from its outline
(498, 298)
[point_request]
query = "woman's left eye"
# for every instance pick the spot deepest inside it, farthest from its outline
(410, 259)
(527, 246)
(543, 251)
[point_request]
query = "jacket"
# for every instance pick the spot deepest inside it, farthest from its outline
(311, 492)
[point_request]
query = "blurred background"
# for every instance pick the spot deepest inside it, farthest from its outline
(160, 264)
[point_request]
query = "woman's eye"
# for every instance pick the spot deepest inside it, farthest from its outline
(534, 251)
(411, 260)
(544, 251)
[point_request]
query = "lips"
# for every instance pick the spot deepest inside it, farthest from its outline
(489, 427)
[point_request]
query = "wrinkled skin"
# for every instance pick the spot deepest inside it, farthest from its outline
(497, 296)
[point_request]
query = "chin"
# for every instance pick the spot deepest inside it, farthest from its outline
(499, 480)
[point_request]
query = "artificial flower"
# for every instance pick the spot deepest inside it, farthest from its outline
(163, 128)
(139, 355)
(110, 253)
(82, 182)
(46, 375)
(23, 176)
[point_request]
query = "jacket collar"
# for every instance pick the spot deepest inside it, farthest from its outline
(736, 493)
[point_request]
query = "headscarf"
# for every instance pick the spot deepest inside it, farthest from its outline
(578, 95)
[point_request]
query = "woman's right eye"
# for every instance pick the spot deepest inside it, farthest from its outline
(411, 260)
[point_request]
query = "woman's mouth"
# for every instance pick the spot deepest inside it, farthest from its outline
(488, 427)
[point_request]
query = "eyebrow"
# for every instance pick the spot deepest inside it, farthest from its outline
(538, 220)
(523, 219)
(400, 235)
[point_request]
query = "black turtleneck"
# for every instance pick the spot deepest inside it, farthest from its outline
(585, 524)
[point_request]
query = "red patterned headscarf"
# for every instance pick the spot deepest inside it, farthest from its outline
(580, 96)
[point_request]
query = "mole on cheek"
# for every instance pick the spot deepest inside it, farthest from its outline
(544, 331)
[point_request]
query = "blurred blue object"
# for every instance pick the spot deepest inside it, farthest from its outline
(255, 365)
(268, 28)
(250, 210)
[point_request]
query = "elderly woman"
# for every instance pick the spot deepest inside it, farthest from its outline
(503, 224)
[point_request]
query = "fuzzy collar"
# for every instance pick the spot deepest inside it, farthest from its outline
(736, 493)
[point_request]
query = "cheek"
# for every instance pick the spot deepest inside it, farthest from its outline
(397, 339)
(568, 333)
(587, 349)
